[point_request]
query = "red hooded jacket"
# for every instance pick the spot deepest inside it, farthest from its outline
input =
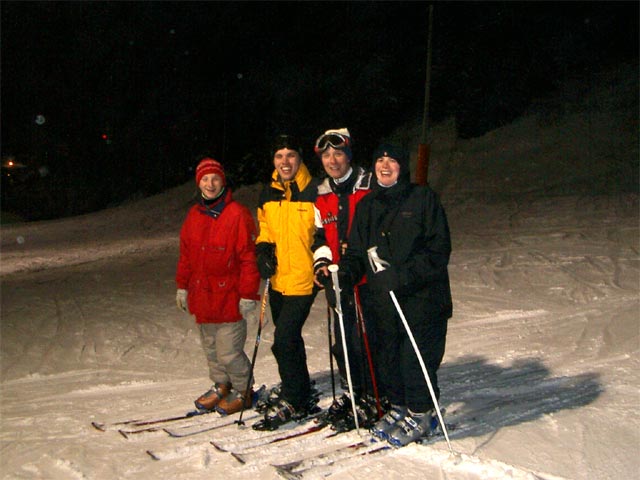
(217, 264)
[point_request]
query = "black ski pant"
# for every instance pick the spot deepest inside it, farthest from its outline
(289, 313)
(399, 370)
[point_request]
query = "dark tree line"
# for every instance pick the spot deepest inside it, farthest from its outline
(134, 91)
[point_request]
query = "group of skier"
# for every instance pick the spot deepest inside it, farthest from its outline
(377, 244)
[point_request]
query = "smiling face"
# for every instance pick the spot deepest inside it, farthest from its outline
(387, 171)
(335, 162)
(211, 185)
(286, 163)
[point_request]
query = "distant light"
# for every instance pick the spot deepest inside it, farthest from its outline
(40, 120)
(105, 136)
(239, 76)
(12, 163)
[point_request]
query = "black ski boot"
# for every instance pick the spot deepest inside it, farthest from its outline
(367, 411)
(283, 412)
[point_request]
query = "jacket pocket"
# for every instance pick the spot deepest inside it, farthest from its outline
(223, 297)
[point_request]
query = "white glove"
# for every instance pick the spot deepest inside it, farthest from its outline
(247, 308)
(181, 300)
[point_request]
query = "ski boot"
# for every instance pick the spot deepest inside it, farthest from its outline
(210, 399)
(412, 427)
(388, 421)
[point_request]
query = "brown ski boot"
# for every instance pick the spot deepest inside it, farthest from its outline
(210, 399)
(235, 401)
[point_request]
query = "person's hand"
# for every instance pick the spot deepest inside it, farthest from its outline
(267, 261)
(247, 308)
(181, 300)
(321, 275)
(386, 280)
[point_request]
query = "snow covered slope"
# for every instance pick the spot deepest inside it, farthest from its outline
(541, 369)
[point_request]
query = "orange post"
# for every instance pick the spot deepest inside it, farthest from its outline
(422, 169)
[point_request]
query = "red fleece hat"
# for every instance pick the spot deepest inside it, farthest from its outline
(207, 166)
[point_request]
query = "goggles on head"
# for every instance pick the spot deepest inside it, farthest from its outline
(334, 140)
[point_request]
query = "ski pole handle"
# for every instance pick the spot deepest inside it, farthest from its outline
(333, 269)
(377, 264)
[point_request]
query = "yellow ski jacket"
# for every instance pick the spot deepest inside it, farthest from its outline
(286, 218)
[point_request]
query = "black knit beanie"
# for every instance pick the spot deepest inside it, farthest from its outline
(399, 154)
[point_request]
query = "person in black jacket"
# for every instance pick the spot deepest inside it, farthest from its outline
(406, 227)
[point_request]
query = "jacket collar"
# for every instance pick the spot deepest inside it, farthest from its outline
(302, 179)
(214, 209)
(363, 182)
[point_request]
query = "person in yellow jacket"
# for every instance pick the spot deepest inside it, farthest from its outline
(283, 247)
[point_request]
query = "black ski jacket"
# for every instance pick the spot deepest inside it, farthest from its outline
(408, 225)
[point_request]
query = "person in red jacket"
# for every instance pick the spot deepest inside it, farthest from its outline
(346, 184)
(218, 282)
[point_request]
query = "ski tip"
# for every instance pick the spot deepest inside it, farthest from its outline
(288, 466)
(101, 427)
(124, 434)
(238, 457)
(218, 447)
(153, 455)
(285, 473)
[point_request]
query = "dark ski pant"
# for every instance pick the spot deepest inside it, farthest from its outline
(355, 340)
(289, 313)
(399, 369)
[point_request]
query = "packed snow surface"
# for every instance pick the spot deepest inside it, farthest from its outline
(540, 376)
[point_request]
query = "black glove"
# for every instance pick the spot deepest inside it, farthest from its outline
(267, 261)
(319, 274)
(387, 280)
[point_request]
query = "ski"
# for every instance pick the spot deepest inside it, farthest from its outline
(179, 451)
(262, 441)
(197, 429)
(144, 423)
(126, 433)
(298, 468)
(132, 426)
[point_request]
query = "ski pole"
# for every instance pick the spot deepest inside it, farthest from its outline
(336, 286)
(365, 338)
(263, 308)
(333, 378)
(378, 265)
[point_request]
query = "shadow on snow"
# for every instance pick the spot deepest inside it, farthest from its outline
(482, 397)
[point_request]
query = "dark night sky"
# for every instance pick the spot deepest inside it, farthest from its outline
(168, 80)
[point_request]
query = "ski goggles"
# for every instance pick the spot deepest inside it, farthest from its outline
(334, 140)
